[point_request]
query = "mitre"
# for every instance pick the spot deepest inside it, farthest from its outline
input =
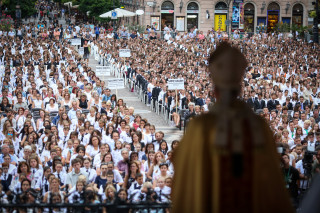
(227, 66)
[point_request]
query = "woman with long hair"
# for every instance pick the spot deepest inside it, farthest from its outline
(155, 167)
(11, 135)
(64, 120)
(5, 104)
(54, 188)
(133, 170)
(148, 163)
(20, 119)
(91, 117)
(41, 119)
(136, 139)
(93, 146)
(66, 100)
(105, 159)
(146, 135)
(136, 122)
(299, 132)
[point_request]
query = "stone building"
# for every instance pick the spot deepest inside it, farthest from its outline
(226, 15)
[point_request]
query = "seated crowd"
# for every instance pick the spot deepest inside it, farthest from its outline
(65, 136)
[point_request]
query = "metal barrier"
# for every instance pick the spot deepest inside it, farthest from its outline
(142, 95)
(98, 207)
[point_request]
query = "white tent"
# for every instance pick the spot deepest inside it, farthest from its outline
(120, 13)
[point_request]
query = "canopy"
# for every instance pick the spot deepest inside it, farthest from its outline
(68, 3)
(120, 13)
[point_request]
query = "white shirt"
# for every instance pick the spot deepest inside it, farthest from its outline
(163, 193)
(92, 174)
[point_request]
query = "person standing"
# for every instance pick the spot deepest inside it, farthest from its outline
(232, 149)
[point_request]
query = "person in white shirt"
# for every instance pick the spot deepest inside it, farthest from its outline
(60, 174)
(167, 36)
(135, 188)
(206, 106)
(92, 174)
(52, 106)
(163, 191)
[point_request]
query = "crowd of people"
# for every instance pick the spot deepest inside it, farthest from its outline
(281, 85)
(65, 137)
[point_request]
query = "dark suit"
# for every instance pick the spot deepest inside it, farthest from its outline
(6, 183)
(251, 101)
(289, 105)
(304, 104)
(272, 104)
(259, 104)
(200, 102)
(184, 102)
(155, 94)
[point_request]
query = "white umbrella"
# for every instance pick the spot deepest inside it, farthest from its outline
(120, 13)
(68, 3)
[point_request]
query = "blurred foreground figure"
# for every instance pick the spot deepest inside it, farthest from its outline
(227, 161)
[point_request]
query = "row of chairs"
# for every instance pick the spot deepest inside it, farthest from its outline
(53, 114)
(160, 108)
(258, 111)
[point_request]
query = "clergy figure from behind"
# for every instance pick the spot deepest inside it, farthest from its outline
(227, 160)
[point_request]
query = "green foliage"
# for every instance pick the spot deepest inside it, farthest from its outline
(27, 7)
(312, 14)
(97, 7)
(300, 29)
(138, 28)
(6, 22)
(282, 27)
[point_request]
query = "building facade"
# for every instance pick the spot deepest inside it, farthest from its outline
(224, 15)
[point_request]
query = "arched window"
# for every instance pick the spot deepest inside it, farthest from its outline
(249, 17)
(221, 6)
(297, 9)
(273, 6)
(297, 15)
(193, 6)
(167, 5)
(249, 7)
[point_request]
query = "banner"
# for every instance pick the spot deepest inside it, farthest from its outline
(124, 53)
(180, 23)
(220, 22)
(174, 84)
(81, 51)
(241, 8)
(115, 83)
(155, 22)
(235, 14)
(76, 41)
(102, 71)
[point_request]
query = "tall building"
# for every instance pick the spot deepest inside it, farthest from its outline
(225, 15)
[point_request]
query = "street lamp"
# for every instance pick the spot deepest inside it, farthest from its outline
(18, 13)
(287, 7)
(263, 6)
(154, 5)
(315, 23)
(228, 21)
(181, 5)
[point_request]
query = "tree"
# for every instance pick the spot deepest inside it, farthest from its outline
(27, 7)
(300, 29)
(97, 7)
(282, 27)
